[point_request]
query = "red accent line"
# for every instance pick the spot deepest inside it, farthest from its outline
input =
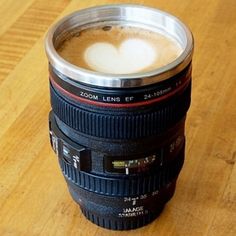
(96, 103)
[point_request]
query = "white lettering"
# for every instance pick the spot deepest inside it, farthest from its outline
(129, 99)
(111, 99)
(88, 95)
(134, 209)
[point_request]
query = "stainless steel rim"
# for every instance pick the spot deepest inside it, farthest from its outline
(130, 14)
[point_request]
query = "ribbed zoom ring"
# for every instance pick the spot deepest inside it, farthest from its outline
(115, 125)
(124, 186)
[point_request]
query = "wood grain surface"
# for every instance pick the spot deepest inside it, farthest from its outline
(33, 195)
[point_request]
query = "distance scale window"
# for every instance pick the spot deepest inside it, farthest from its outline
(131, 166)
(143, 163)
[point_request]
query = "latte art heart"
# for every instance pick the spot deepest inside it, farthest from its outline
(133, 55)
(119, 49)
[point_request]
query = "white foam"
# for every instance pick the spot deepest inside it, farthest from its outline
(133, 55)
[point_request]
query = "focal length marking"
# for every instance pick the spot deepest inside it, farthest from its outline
(122, 97)
(135, 205)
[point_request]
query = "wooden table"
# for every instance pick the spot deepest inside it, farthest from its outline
(33, 195)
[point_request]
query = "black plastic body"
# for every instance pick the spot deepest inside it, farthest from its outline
(120, 162)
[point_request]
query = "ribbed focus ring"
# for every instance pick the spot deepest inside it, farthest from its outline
(124, 186)
(121, 126)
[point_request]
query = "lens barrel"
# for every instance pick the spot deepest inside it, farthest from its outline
(119, 139)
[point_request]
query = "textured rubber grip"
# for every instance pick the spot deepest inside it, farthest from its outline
(115, 124)
(126, 185)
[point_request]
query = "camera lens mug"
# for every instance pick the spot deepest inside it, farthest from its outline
(119, 138)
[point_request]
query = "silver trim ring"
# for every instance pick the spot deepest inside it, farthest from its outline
(130, 14)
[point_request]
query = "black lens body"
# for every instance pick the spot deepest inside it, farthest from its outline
(120, 150)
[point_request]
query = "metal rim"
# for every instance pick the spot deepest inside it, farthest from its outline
(128, 13)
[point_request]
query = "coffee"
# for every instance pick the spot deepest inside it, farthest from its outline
(119, 138)
(119, 49)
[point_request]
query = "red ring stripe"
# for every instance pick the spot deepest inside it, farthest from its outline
(102, 104)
